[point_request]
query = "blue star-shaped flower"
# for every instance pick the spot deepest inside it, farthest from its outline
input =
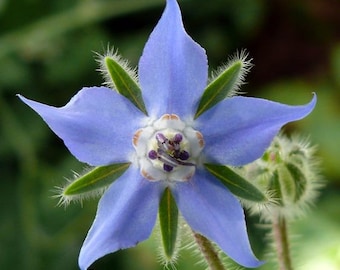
(168, 147)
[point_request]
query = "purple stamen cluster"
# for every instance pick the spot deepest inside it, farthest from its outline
(169, 152)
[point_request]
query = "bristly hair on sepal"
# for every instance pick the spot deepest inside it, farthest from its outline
(191, 246)
(241, 56)
(258, 207)
(66, 199)
(169, 263)
(124, 63)
(225, 82)
(91, 183)
(121, 78)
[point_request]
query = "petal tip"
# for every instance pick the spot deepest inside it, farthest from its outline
(311, 105)
(314, 99)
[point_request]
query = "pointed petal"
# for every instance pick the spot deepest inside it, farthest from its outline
(211, 210)
(173, 68)
(126, 215)
(239, 129)
(93, 125)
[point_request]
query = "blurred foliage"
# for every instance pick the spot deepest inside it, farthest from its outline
(46, 53)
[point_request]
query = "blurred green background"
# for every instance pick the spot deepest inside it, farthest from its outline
(47, 54)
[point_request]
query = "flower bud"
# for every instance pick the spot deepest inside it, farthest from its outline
(289, 173)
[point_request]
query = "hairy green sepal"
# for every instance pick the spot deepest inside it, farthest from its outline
(291, 183)
(275, 188)
(235, 183)
(124, 84)
(95, 179)
(300, 181)
(168, 217)
(222, 86)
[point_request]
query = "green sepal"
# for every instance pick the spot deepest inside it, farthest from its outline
(97, 178)
(236, 183)
(274, 188)
(168, 219)
(299, 180)
(124, 84)
(222, 86)
(287, 184)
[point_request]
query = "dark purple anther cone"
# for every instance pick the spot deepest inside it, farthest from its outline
(178, 138)
(167, 168)
(153, 154)
(184, 155)
(161, 138)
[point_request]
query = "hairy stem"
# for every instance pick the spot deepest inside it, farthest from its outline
(282, 244)
(209, 253)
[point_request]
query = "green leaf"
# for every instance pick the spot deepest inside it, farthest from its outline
(220, 87)
(236, 183)
(168, 217)
(97, 178)
(124, 83)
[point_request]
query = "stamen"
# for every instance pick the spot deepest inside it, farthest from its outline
(167, 159)
(184, 155)
(161, 138)
(163, 142)
(167, 167)
(178, 138)
(153, 154)
(169, 152)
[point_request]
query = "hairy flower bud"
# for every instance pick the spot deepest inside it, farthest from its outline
(289, 173)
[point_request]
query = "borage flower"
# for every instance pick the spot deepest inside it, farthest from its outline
(169, 150)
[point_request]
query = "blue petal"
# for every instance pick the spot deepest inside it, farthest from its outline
(239, 129)
(126, 215)
(173, 68)
(211, 210)
(93, 125)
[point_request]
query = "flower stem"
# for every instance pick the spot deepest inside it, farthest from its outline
(282, 245)
(209, 253)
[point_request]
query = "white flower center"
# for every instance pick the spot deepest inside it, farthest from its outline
(168, 149)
